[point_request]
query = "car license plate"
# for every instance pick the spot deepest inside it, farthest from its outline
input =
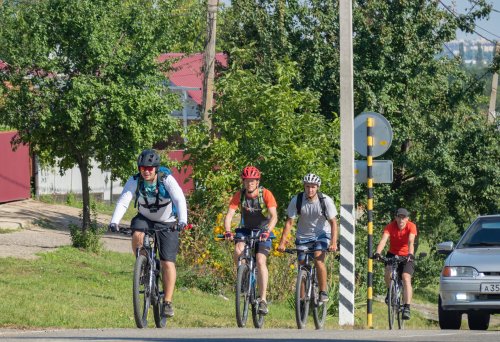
(490, 287)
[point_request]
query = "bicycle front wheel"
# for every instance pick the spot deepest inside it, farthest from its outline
(242, 299)
(319, 308)
(160, 320)
(392, 306)
(257, 317)
(400, 301)
(141, 291)
(302, 298)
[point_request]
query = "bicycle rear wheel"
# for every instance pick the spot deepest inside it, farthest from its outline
(242, 295)
(141, 291)
(257, 317)
(160, 321)
(392, 307)
(319, 308)
(301, 298)
(401, 321)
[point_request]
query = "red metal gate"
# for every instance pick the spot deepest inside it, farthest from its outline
(14, 170)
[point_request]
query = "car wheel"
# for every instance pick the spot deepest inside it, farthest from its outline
(449, 319)
(478, 320)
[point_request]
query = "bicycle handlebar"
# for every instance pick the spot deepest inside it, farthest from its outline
(394, 259)
(221, 236)
(128, 230)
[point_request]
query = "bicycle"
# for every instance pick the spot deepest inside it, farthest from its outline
(307, 291)
(247, 288)
(147, 276)
(395, 295)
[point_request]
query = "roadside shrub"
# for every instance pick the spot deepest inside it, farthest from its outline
(89, 239)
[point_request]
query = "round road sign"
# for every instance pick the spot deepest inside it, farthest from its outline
(382, 134)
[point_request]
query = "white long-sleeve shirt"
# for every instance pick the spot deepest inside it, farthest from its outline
(164, 214)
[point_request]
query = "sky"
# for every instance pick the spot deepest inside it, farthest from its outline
(488, 28)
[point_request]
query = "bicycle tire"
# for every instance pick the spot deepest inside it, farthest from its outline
(141, 292)
(160, 320)
(301, 298)
(257, 317)
(392, 305)
(319, 308)
(242, 298)
(401, 321)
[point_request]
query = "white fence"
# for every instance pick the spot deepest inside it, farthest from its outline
(49, 181)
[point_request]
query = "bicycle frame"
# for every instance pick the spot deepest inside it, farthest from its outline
(150, 247)
(147, 278)
(395, 305)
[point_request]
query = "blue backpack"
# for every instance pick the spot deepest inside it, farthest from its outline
(162, 173)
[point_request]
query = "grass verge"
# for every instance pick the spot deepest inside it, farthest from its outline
(70, 288)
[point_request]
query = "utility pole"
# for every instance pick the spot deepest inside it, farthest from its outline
(493, 96)
(209, 62)
(347, 212)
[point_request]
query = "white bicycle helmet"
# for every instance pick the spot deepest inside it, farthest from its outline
(311, 178)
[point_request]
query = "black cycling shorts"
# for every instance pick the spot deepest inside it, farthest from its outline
(168, 240)
(404, 267)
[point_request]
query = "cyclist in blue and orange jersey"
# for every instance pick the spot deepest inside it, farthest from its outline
(401, 233)
(160, 202)
(316, 226)
(258, 211)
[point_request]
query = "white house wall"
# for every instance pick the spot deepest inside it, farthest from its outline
(49, 181)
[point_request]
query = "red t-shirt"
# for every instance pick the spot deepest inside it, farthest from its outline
(398, 239)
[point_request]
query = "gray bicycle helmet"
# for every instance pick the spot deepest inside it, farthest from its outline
(311, 178)
(148, 158)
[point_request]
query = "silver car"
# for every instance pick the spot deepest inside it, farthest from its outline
(470, 279)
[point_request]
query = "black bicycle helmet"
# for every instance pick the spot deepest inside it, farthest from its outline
(148, 158)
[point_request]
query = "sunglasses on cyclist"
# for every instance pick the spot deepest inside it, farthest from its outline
(147, 168)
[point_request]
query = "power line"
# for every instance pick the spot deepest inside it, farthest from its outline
(493, 34)
(457, 18)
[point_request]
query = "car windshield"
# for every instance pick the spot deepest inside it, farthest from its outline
(484, 232)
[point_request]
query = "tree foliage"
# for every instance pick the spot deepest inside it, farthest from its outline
(445, 155)
(266, 124)
(83, 82)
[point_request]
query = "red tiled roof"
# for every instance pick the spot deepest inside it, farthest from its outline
(187, 71)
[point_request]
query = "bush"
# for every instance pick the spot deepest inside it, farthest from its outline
(89, 239)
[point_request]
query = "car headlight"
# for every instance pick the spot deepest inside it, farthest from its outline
(459, 271)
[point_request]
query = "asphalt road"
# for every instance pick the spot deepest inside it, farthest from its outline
(247, 335)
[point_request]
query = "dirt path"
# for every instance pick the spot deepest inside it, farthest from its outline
(38, 227)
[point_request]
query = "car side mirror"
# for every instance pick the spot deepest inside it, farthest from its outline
(445, 247)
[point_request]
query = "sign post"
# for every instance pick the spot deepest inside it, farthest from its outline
(375, 142)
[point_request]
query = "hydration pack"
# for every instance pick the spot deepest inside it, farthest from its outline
(260, 198)
(161, 174)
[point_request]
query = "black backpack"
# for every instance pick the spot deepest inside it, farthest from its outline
(321, 202)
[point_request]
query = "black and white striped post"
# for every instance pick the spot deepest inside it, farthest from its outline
(369, 182)
(347, 218)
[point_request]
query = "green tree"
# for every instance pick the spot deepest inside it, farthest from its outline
(432, 104)
(266, 124)
(83, 82)
(187, 26)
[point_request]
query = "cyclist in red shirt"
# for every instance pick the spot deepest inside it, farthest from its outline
(401, 234)
(258, 211)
